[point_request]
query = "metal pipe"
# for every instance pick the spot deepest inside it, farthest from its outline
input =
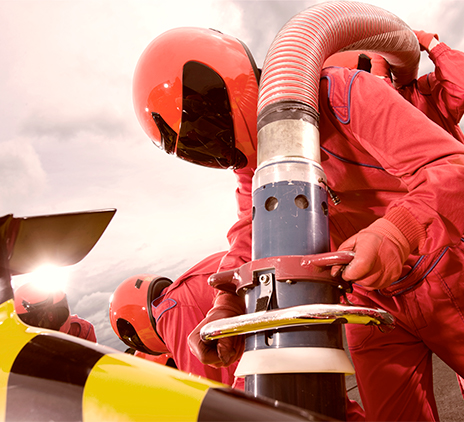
(290, 197)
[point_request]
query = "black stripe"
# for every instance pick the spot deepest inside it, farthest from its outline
(232, 405)
(47, 379)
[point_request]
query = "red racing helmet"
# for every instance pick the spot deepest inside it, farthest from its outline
(363, 60)
(131, 316)
(42, 308)
(195, 94)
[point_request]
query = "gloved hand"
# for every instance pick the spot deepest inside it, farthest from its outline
(224, 351)
(380, 252)
(425, 39)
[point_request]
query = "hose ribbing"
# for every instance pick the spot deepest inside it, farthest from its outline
(295, 58)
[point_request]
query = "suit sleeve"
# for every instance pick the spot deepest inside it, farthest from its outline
(239, 235)
(446, 83)
(428, 160)
(183, 308)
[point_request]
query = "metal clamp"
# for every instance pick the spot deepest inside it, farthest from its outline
(289, 267)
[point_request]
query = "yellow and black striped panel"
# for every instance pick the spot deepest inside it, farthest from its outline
(142, 390)
(62, 378)
(139, 393)
(46, 375)
(13, 336)
(49, 374)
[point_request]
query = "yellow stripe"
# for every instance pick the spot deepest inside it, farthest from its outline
(15, 335)
(122, 387)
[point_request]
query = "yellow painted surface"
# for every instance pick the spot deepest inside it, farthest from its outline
(122, 387)
(14, 336)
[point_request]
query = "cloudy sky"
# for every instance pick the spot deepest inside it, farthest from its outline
(70, 141)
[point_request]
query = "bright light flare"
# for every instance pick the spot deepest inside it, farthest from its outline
(48, 278)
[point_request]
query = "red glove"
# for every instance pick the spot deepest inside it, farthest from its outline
(381, 250)
(425, 39)
(224, 351)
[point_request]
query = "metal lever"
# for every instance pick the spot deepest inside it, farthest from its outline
(295, 316)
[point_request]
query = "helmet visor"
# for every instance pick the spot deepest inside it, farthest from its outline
(46, 314)
(130, 337)
(206, 135)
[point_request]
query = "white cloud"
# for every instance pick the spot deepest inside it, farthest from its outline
(95, 307)
(21, 173)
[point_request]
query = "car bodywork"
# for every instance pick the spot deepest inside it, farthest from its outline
(48, 375)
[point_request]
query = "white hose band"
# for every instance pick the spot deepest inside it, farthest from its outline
(294, 360)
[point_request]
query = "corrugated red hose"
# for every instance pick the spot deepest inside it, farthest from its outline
(294, 61)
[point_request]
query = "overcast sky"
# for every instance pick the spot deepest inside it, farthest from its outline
(70, 141)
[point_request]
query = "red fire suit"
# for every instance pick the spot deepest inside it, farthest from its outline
(178, 311)
(440, 96)
(82, 328)
(380, 162)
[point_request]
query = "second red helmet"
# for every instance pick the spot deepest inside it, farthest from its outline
(131, 316)
(195, 94)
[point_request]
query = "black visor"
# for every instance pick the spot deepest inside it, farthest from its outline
(130, 337)
(46, 314)
(206, 135)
